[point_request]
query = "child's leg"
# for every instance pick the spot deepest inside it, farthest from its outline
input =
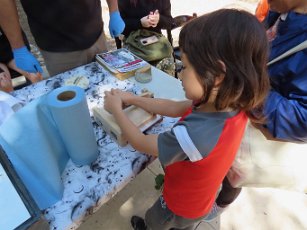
(228, 194)
(159, 217)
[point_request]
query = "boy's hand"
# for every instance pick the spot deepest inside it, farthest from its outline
(125, 96)
(112, 103)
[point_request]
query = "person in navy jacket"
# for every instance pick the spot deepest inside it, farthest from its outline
(286, 103)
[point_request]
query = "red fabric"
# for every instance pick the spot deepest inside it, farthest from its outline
(190, 187)
(262, 10)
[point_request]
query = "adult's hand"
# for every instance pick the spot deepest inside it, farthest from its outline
(266, 132)
(154, 18)
(145, 21)
(25, 60)
(116, 24)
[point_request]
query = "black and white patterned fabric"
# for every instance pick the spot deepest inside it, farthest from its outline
(89, 187)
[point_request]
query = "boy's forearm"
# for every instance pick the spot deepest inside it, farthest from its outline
(138, 140)
(9, 23)
(163, 107)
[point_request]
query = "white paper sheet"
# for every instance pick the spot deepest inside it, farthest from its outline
(13, 211)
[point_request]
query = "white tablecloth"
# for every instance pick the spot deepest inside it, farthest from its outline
(86, 188)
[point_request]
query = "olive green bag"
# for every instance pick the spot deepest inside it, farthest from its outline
(156, 51)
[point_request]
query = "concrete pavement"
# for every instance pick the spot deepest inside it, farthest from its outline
(254, 209)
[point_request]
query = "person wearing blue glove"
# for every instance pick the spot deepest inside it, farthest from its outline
(26, 65)
(116, 24)
(9, 25)
(68, 33)
(25, 60)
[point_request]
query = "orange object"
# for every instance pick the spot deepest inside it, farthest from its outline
(262, 10)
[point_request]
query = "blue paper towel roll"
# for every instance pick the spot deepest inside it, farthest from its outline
(40, 138)
(71, 115)
(36, 151)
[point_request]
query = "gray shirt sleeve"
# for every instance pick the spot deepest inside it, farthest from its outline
(169, 149)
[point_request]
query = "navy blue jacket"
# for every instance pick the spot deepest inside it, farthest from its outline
(286, 105)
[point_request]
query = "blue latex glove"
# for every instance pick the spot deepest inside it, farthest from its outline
(116, 24)
(25, 60)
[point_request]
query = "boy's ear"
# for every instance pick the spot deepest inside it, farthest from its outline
(219, 79)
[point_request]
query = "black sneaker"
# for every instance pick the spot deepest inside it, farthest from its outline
(138, 223)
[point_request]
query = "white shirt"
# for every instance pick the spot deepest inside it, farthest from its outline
(8, 106)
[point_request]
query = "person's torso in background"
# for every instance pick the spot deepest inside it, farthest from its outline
(64, 25)
(287, 75)
(141, 9)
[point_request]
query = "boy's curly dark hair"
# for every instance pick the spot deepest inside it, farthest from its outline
(236, 38)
